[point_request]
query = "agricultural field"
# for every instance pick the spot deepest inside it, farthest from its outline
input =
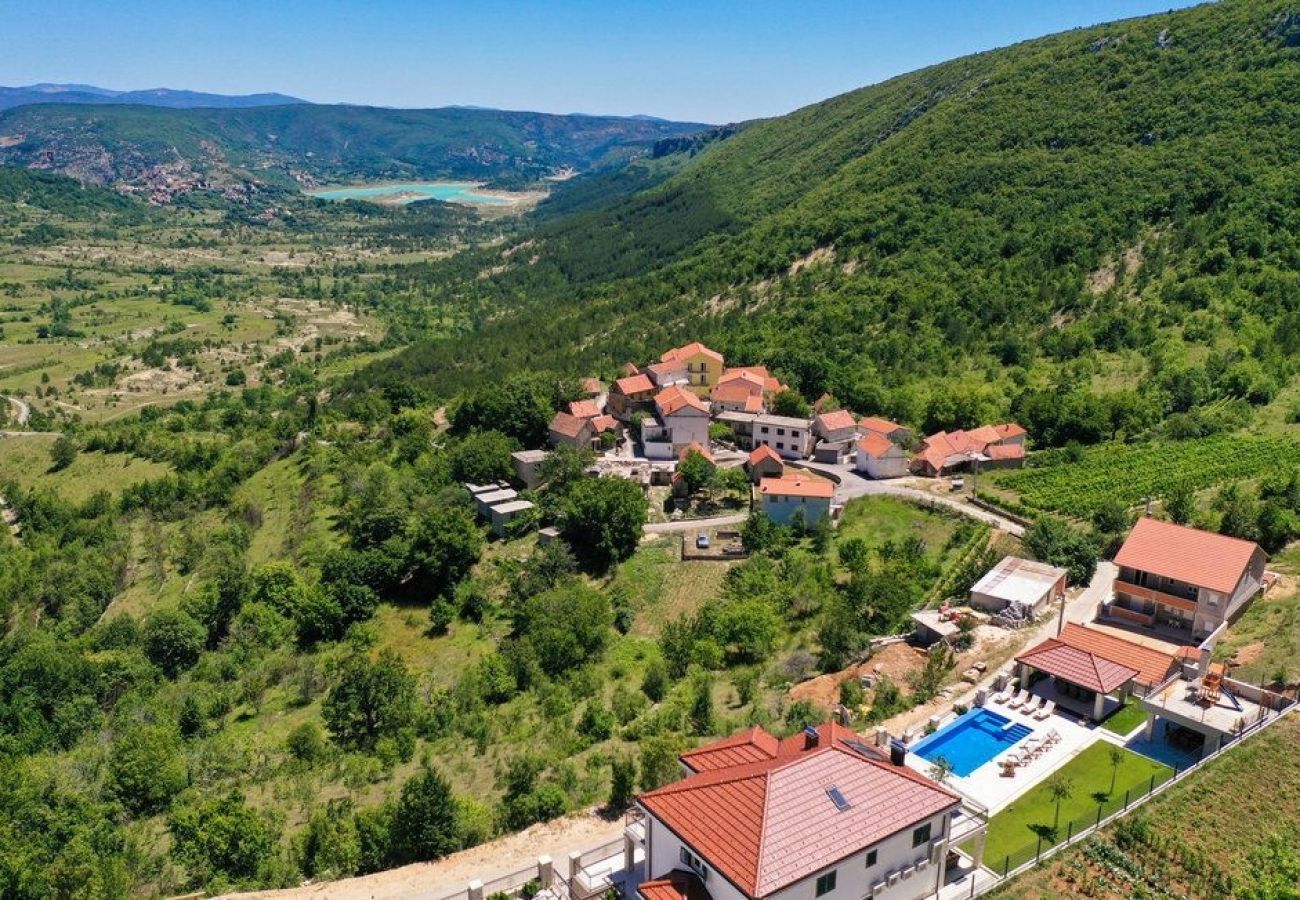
(1212, 835)
(1081, 482)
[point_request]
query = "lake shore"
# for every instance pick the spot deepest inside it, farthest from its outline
(400, 193)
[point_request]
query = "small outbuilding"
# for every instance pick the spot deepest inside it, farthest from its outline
(503, 514)
(1020, 582)
(528, 466)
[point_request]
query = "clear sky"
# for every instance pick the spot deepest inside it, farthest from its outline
(684, 59)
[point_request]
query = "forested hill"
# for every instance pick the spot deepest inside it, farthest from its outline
(1019, 218)
(299, 144)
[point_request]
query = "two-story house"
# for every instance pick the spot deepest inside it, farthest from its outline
(819, 816)
(629, 395)
(788, 436)
(1184, 578)
(703, 365)
(836, 432)
(792, 498)
(680, 419)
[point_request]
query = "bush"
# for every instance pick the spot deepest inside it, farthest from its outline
(173, 640)
(306, 743)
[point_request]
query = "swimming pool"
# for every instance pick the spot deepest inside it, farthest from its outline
(972, 740)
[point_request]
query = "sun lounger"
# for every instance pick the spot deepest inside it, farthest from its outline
(1048, 708)
(1035, 703)
(1019, 699)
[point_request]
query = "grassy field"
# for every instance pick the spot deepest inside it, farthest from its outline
(660, 587)
(26, 460)
(1193, 840)
(878, 520)
(1017, 827)
(1266, 639)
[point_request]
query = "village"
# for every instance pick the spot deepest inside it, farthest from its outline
(1112, 685)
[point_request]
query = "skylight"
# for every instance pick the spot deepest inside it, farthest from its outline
(841, 803)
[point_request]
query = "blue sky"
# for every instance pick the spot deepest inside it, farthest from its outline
(705, 61)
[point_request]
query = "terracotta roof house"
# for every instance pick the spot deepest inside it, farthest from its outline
(790, 498)
(790, 437)
(769, 382)
(666, 374)
(1011, 433)
(738, 394)
(571, 431)
(681, 419)
(945, 451)
(695, 447)
(837, 431)
(592, 387)
(1086, 666)
(764, 462)
(876, 456)
(630, 394)
(892, 430)
(1184, 579)
(629, 369)
(584, 409)
(820, 816)
(703, 365)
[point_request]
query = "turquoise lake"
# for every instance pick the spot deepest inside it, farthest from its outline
(449, 191)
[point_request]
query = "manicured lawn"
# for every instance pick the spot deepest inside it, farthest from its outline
(1015, 829)
(1125, 720)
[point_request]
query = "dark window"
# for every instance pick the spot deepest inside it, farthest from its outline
(871, 858)
(780, 445)
(780, 431)
(921, 835)
(764, 429)
(826, 883)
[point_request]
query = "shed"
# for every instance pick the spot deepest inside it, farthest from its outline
(1023, 582)
(503, 514)
(528, 466)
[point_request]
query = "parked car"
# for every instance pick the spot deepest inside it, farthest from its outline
(958, 484)
(702, 541)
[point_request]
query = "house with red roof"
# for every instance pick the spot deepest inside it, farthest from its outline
(629, 395)
(892, 430)
(680, 419)
(704, 366)
(989, 446)
(1184, 579)
(571, 431)
(796, 497)
(820, 815)
(876, 456)
(764, 462)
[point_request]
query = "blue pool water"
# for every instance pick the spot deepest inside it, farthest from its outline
(972, 740)
(450, 191)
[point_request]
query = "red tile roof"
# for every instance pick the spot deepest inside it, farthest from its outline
(758, 375)
(630, 369)
(838, 420)
(1212, 561)
(673, 400)
(634, 384)
(1077, 666)
(695, 447)
(676, 885)
(754, 404)
(584, 409)
(735, 391)
(694, 348)
(1152, 666)
(592, 386)
(876, 445)
(985, 434)
(1009, 430)
(604, 423)
(1005, 451)
(762, 452)
(752, 745)
(797, 486)
(567, 425)
(879, 425)
(767, 824)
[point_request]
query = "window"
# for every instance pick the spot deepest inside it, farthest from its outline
(694, 863)
(794, 433)
(764, 427)
(921, 835)
(826, 883)
(871, 858)
(780, 445)
(780, 431)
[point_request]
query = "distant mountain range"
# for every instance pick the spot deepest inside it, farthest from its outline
(162, 153)
(25, 95)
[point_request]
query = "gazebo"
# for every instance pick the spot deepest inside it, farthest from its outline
(1081, 680)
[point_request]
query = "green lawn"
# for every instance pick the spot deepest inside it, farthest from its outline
(1126, 719)
(880, 519)
(1015, 829)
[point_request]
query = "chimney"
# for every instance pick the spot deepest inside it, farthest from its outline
(811, 737)
(897, 753)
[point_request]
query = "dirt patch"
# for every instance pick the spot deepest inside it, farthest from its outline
(1249, 653)
(820, 255)
(895, 661)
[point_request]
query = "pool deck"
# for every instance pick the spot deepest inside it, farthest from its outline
(987, 786)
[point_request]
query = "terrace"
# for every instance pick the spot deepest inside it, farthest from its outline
(1218, 708)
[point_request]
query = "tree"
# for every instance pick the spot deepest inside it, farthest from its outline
(602, 521)
(146, 769)
(63, 452)
(659, 764)
(940, 769)
(306, 743)
(760, 534)
(1180, 503)
(278, 585)
(424, 820)
(701, 713)
(482, 457)
(696, 470)
(1059, 788)
(790, 403)
(1238, 512)
(622, 787)
(655, 683)
(1115, 755)
(223, 837)
(446, 546)
(1054, 541)
(172, 640)
(372, 699)
(329, 847)
(565, 626)
(190, 721)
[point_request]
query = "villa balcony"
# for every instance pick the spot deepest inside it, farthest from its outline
(1154, 596)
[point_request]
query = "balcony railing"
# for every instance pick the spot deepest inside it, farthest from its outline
(1146, 593)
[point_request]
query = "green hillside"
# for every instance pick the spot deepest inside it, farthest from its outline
(1109, 208)
(279, 144)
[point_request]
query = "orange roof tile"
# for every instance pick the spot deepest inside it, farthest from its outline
(676, 885)
(879, 425)
(754, 404)
(837, 420)
(630, 369)
(735, 391)
(1152, 666)
(762, 452)
(797, 486)
(584, 409)
(1088, 670)
(695, 447)
(694, 348)
(604, 423)
(567, 425)
(634, 384)
(985, 434)
(876, 445)
(1200, 558)
(592, 386)
(1005, 451)
(1009, 430)
(673, 400)
(768, 824)
(751, 745)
